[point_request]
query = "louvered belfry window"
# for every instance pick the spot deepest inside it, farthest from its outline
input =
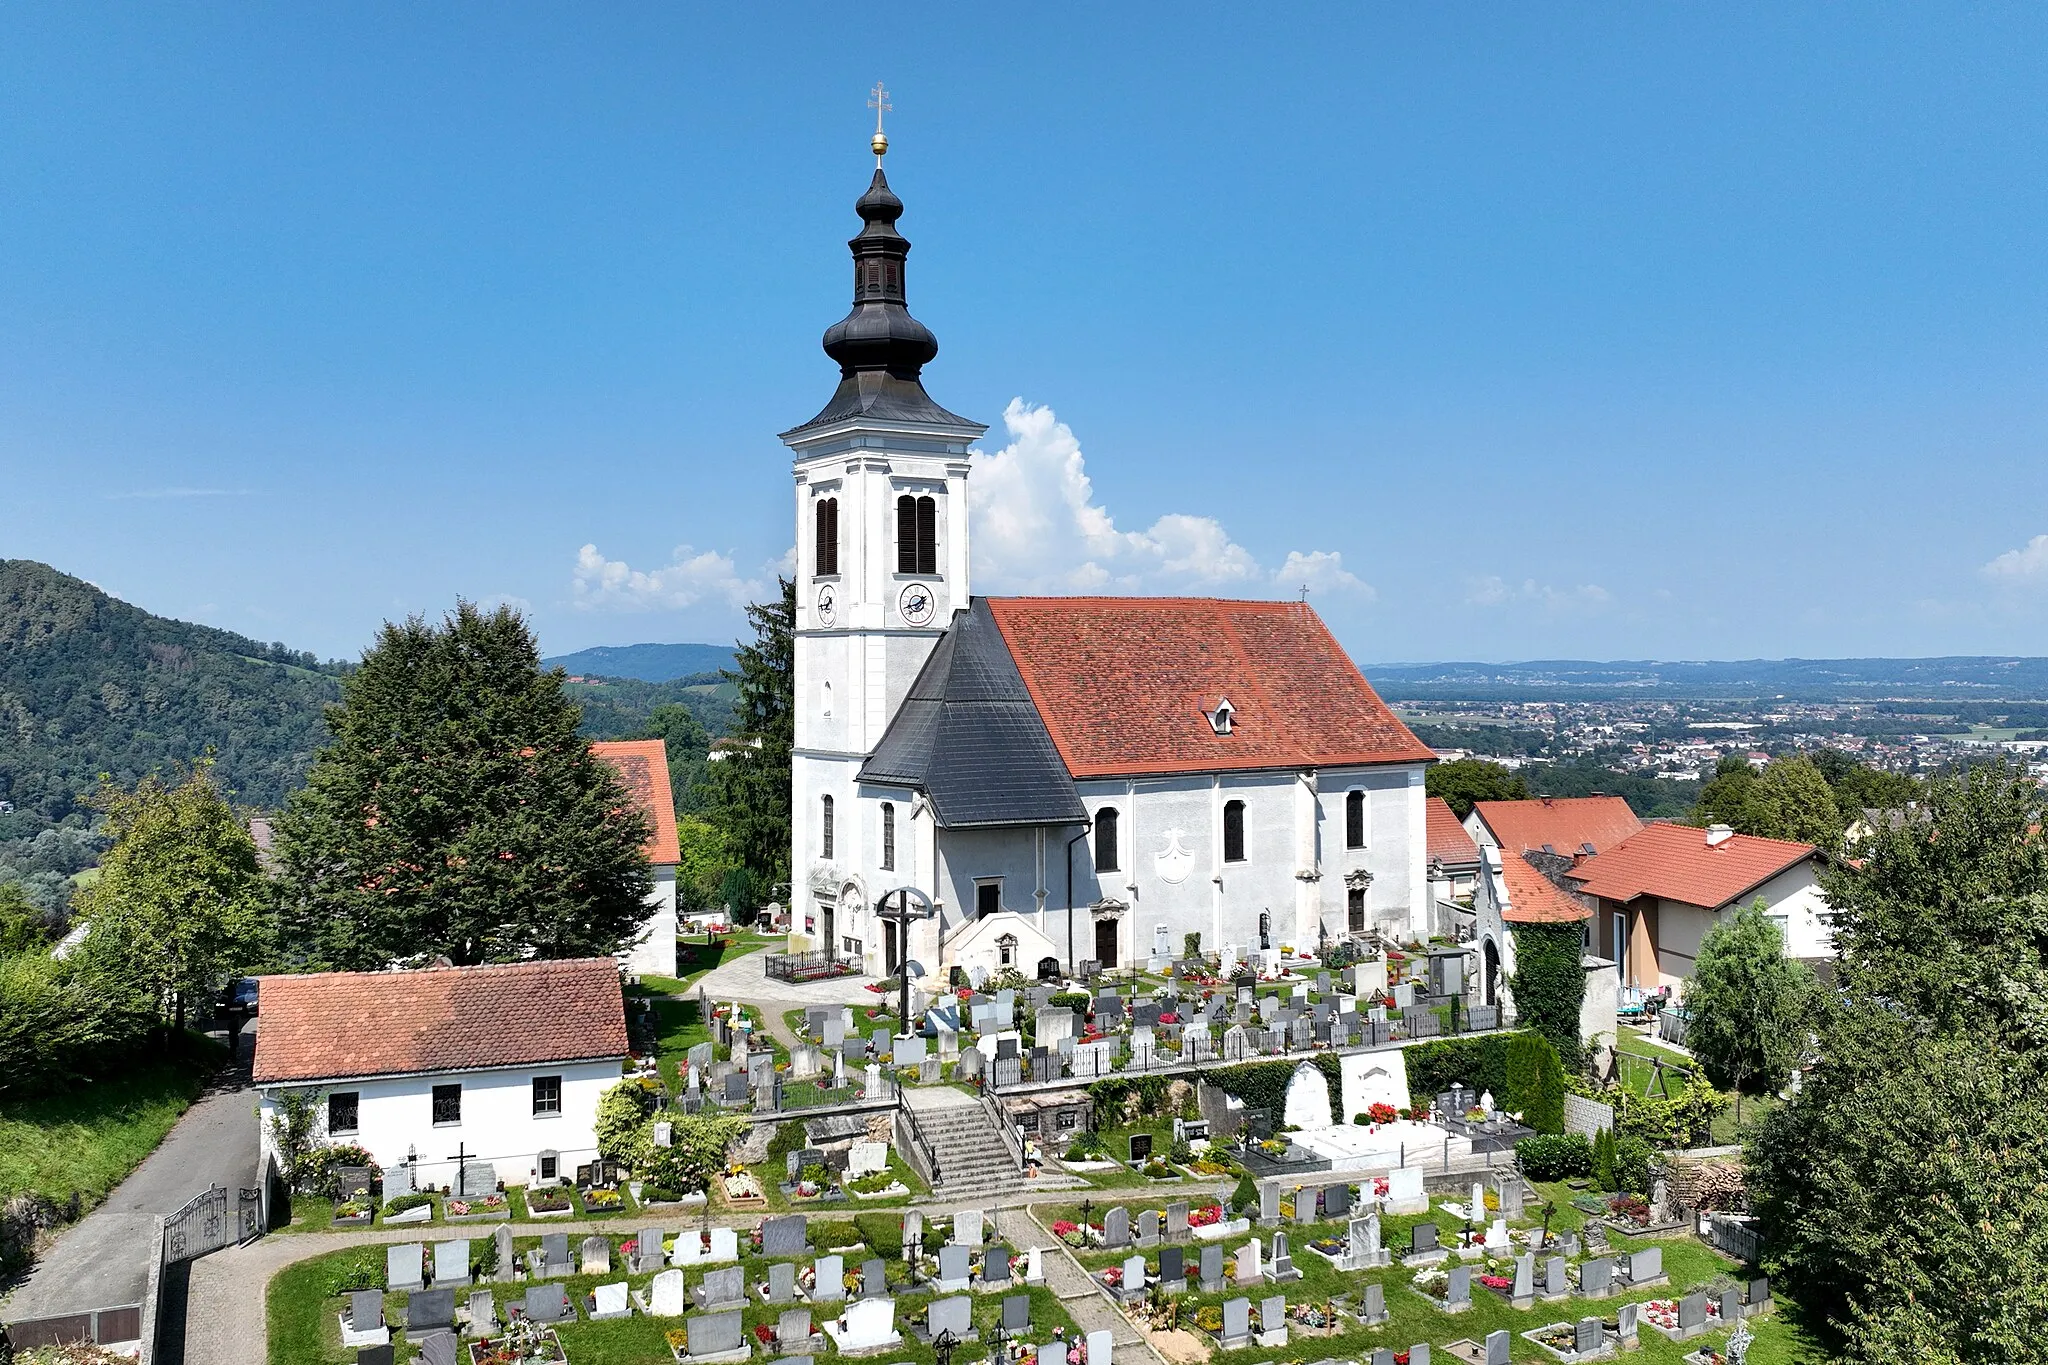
(917, 535)
(828, 535)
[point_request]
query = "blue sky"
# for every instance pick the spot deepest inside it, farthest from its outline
(1521, 331)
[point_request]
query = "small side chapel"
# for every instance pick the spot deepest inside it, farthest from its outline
(1064, 779)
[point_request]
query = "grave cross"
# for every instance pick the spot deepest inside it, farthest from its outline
(943, 1344)
(460, 1156)
(1548, 1209)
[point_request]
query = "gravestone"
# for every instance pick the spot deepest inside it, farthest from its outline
(397, 1180)
(868, 1325)
(1374, 1307)
(1269, 1202)
(1625, 1317)
(404, 1266)
(1731, 1305)
(995, 1266)
(1017, 1313)
(1336, 1201)
(546, 1303)
(1212, 1269)
(1141, 1148)
(1586, 1336)
(1497, 1347)
(828, 1278)
(437, 1348)
(1249, 1269)
(1134, 1277)
(647, 1256)
(478, 1179)
(911, 1050)
(1508, 1186)
(726, 1288)
(793, 1330)
(1100, 1345)
(955, 1263)
(1596, 1277)
(1237, 1323)
(1458, 1293)
(609, 1301)
(483, 1312)
(711, 1334)
(874, 1278)
(554, 1255)
(781, 1282)
(1148, 1228)
(365, 1311)
(595, 1256)
(1555, 1285)
(785, 1236)
(1116, 1228)
(1422, 1239)
(1273, 1321)
(1283, 1263)
(1692, 1314)
(1173, 1269)
(1646, 1265)
(451, 1262)
(1176, 1222)
(967, 1228)
(1525, 1279)
(665, 1295)
(954, 1314)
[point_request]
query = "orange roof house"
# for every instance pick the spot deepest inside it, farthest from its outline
(1449, 842)
(1683, 863)
(642, 765)
(1568, 825)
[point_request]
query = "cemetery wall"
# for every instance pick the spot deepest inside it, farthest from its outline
(395, 1115)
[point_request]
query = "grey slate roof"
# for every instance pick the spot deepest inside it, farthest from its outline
(970, 738)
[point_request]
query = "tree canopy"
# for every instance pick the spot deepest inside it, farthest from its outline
(747, 792)
(1901, 1191)
(1466, 780)
(180, 904)
(1749, 1003)
(1789, 799)
(458, 811)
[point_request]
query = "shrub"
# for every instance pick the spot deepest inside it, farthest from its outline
(1190, 945)
(318, 1172)
(1555, 1156)
(1603, 1158)
(406, 1201)
(1535, 1082)
(1073, 1000)
(1246, 1195)
(1632, 1158)
(1181, 1153)
(883, 1232)
(620, 1113)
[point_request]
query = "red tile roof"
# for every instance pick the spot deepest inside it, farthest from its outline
(1123, 683)
(1673, 862)
(1566, 823)
(1533, 898)
(337, 1025)
(642, 764)
(1449, 844)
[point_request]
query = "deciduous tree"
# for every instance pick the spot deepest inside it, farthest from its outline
(180, 903)
(1903, 1189)
(1466, 780)
(1749, 1003)
(458, 811)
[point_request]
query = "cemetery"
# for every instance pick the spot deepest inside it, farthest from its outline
(793, 1286)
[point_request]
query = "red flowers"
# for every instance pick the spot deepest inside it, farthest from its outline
(1383, 1113)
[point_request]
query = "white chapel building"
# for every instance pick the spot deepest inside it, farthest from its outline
(1065, 779)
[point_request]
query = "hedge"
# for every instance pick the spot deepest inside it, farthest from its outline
(1555, 1156)
(1263, 1085)
(1521, 1070)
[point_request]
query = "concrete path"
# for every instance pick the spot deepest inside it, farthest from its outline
(746, 980)
(1078, 1294)
(102, 1260)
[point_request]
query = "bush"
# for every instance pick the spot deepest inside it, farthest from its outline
(1246, 1195)
(1535, 1082)
(1632, 1158)
(1555, 1156)
(883, 1232)
(1190, 945)
(1073, 1000)
(1481, 1063)
(620, 1113)
(1603, 1158)
(406, 1201)
(318, 1172)
(362, 1269)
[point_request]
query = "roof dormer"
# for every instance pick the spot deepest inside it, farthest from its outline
(1220, 719)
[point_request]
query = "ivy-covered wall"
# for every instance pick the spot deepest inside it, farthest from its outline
(1550, 983)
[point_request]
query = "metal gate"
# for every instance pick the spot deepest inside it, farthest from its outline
(204, 1224)
(250, 1212)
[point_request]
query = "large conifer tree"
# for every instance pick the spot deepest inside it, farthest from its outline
(458, 811)
(749, 789)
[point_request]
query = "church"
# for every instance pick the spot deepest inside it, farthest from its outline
(1060, 779)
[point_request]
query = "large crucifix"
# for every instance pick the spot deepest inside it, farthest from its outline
(460, 1156)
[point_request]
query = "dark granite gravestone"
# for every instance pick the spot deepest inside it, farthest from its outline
(995, 1266)
(1017, 1313)
(1422, 1238)
(376, 1355)
(547, 1303)
(1173, 1268)
(1141, 1148)
(874, 1278)
(429, 1308)
(785, 1236)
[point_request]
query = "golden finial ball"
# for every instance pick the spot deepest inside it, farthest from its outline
(880, 143)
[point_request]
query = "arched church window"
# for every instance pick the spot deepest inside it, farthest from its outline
(1354, 820)
(827, 519)
(888, 836)
(895, 273)
(1233, 831)
(1106, 839)
(917, 535)
(825, 827)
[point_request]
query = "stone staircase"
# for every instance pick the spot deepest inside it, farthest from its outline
(973, 1159)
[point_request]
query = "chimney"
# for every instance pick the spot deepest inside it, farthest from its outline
(1718, 835)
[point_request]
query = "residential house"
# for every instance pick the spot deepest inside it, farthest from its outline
(503, 1064)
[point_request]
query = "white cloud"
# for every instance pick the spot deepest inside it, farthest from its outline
(1492, 591)
(687, 579)
(1038, 528)
(2028, 563)
(505, 599)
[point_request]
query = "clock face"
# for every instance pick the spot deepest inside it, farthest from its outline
(828, 604)
(917, 604)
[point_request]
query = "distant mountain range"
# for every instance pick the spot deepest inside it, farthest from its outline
(648, 663)
(1955, 678)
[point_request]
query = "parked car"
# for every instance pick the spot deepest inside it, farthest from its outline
(238, 997)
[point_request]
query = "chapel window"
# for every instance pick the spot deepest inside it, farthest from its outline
(1006, 950)
(1106, 839)
(1233, 831)
(447, 1105)
(1354, 820)
(343, 1106)
(888, 836)
(825, 827)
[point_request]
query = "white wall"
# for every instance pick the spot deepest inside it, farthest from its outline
(655, 950)
(395, 1115)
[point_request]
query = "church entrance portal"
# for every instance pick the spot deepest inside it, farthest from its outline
(1492, 971)
(828, 937)
(1105, 943)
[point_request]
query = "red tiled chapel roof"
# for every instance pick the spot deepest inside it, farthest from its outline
(642, 766)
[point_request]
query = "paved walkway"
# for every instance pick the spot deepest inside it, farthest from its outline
(102, 1261)
(746, 980)
(225, 1318)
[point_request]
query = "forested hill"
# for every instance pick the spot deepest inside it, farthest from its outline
(91, 685)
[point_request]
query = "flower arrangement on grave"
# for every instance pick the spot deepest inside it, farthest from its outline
(1067, 1232)
(1209, 1317)
(1497, 1283)
(1382, 1112)
(1662, 1313)
(1435, 1283)
(1420, 1113)
(1330, 1246)
(1315, 1316)
(1205, 1215)
(1114, 1276)
(763, 1333)
(1273, 1146)
(551, 1200)
(354, 1208)
(406, 1201)
(1632, 1207)
(1557, 1336)
(462, 1208)
(1170, 1017)
(678, 1339)
(1400, 1358)
(850, 1282)
(599, 1200)
(1380, 1187)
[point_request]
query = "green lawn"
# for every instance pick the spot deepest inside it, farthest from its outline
(1691, 1264)
(1635, 1072)
(305, 1299)
(85, 1141)
(695, 957)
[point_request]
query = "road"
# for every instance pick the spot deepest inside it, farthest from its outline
(102, 1260)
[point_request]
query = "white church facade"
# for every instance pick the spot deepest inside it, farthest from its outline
(1063, 779)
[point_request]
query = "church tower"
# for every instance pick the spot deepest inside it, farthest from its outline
(881, 542)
